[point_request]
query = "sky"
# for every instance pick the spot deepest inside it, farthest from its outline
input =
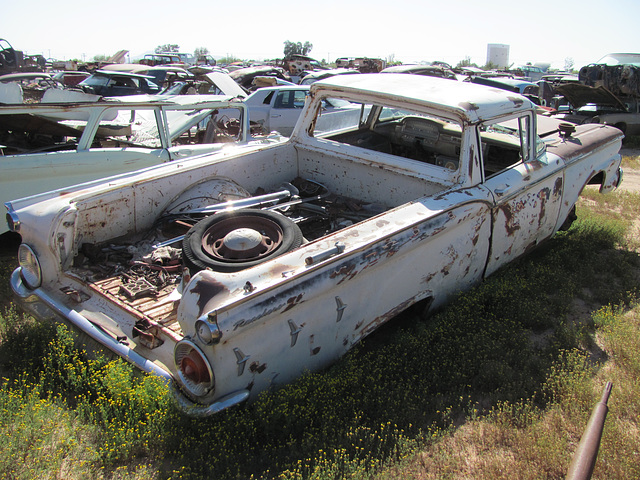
(410, 31)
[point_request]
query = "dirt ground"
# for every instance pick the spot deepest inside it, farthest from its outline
(631, 178)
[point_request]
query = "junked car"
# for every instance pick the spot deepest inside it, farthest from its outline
(116, 84)
(608, 92)
(52, 146)
(429, 70)
(277, 109)
(232, 275)
(314, 76)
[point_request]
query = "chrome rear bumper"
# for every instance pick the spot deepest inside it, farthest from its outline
(41, 305)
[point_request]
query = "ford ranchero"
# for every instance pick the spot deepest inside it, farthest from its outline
(236, 272)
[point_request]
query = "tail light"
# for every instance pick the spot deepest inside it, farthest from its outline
(194, 370)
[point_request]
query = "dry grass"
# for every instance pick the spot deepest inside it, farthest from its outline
(500, 447)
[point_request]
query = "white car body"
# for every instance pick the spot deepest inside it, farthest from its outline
(110, 138)
(437, 185)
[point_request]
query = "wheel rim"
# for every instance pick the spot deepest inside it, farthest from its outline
(239, 239)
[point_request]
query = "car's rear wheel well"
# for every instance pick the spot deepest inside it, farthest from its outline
(597, 179)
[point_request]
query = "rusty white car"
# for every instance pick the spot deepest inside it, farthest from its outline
(232, 274)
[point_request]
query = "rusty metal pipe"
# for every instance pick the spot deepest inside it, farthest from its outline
(584, 458)
(288, 191)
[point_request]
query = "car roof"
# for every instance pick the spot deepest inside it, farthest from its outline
(468, 101)
(114, 73)
(11, 77)
(282, 87)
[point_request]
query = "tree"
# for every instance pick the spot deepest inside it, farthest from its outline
(292, 48)
(466, 63)
(100, 58)
(391, 60)
(200, 51)
(568, 64)
(167, 47)
(229, 58)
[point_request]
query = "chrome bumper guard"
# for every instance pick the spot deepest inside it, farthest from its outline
(43, 306)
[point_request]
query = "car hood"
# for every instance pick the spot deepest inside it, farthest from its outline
(580, 95)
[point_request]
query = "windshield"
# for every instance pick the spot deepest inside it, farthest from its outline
(95, 80)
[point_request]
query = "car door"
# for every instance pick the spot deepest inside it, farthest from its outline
(286, 109)
(527, 190)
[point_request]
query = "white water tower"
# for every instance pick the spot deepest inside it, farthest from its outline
(498, 54)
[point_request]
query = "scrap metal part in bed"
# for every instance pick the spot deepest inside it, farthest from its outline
(149, 270)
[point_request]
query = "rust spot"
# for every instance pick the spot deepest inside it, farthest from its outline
(508, 214)
(255, 367)
(544, 196)
(516, 101)
(345, 271)
(468, 106)
(292, 302)
(280, 269)
(315, 351)
(557, 188)
(206, 290)
(429, 277)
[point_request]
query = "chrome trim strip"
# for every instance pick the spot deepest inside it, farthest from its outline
(82, 323)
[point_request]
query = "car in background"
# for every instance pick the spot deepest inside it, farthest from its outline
(531, 73)
(608, 92)
(313, 77)
(430, 70)
(33, 85)
(277, 108)
(163, 75)
(51, 146)
(504, 83)
(118, 84)
(245, 76)
(598, 105)
(72, 78)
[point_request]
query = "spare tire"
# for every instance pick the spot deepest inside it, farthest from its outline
(233, 241)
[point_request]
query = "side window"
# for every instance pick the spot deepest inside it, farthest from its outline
(299, 98)
(505, 143)
(130, 128)
(267, 99)
(284, 100)
(524, 131)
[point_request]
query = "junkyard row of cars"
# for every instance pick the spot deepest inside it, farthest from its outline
(246, 257)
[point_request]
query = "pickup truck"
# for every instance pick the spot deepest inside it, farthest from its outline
(234, 273)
